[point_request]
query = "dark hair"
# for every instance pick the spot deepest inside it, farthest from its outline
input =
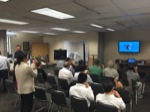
(38, 63)
(96, 62)
(67, 59)
(82, 68)
(18, 45)
(130, 67)
(124, 80)
(21, 56)
(81, 62)
(0, 53)
(108, 85)
(82, 78)
(66, 64)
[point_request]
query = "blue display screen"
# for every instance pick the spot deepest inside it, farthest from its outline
(131, 60)
(129, 47)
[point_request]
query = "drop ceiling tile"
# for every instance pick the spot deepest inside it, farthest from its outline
(94, 3)
(107, 9)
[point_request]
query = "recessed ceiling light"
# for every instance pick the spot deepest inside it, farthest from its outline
(52, 13)
(95, 25)
(60, 29)
(25, 31)
(4, 0)
(78, 32)
(12, 22)
(109, 29)
(50, 33)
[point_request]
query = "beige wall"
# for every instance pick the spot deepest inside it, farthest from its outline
(111, 44)
(57, 42)
(22, 37)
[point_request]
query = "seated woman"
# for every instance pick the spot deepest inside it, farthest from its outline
(40, 70)
(123, 82)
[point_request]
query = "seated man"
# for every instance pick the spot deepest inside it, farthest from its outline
(40, 70)
(133, 74)
(65, 73)
(83, 90)
(83, 70)
(96, 69)
(110, 71)
(110, 96)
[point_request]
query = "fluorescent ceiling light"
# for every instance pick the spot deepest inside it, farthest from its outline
(95, 25)
(50, 33)
(78, 32)
(60, 29)
(12, 22)
(4, 0)
(25, 31)
(109, 29)
(52, 13)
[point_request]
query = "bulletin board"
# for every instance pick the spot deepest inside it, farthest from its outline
(40, 49)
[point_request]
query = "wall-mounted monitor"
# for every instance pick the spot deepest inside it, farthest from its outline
(60, 54)
(129, 46)
(131, 60)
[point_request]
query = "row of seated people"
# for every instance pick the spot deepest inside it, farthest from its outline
(121, 79)
(82, 89)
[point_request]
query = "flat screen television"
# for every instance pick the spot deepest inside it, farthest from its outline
(129, 46)
(60, 54)
(131, 60)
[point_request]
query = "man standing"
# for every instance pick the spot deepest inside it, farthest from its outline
(4, 67)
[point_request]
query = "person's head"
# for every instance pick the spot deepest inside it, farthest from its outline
(22, 57)
(130, 67)
(108, 86)
(110, 64)
(66, 64)
(82, 78)
(81, 62)
(96, 62)
(82, 68)
(39, 64)
(18, 47)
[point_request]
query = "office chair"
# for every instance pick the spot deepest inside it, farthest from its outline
(58, 97)
(100, 107)
(42, 97)
(78, 104)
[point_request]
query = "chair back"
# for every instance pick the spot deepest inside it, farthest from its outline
(58, 97)
(40, 78)
(63, 84)
(95, 78)
(97, 88)
(10, 85)
(40, 93)
(100, 107)
(79, 104)
(125, 95)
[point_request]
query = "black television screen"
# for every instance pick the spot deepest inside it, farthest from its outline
(60, 54)
(129, 46)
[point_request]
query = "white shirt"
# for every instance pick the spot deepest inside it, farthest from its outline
(111, 100)
(25, 78)
(65, 73)
(88, 77)
(80, 91)
(4, 64)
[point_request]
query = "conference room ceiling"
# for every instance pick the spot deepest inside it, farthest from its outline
(120, 15)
